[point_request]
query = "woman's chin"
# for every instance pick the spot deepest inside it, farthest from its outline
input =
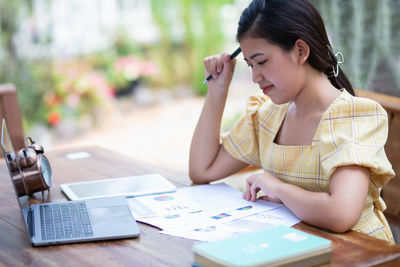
(278, 100)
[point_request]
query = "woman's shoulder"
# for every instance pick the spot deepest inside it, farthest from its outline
(354, 132)
(353, 119)
(349, 106)
(255, 101)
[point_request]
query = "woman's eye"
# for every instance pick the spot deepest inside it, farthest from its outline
(259, 63)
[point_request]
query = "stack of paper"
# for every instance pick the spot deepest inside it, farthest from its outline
(208, 212)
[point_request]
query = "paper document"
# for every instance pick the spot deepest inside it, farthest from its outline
(208, 212)
(187, 200)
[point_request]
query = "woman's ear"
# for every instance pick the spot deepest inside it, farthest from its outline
(302, 50)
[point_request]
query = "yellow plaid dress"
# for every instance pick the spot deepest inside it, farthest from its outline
(352, 131)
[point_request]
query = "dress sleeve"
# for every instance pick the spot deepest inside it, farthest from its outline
(242, 140)
(355, 133)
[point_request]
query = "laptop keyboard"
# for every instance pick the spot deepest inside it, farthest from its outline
(65, 220)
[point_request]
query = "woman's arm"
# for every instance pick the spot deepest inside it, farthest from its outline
(208, 160)
(338, 210)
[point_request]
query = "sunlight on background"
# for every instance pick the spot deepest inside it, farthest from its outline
(127, 74)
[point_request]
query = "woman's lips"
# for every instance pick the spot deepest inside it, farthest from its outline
(266, 89)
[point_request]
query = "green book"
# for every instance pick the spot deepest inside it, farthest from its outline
(275, 246)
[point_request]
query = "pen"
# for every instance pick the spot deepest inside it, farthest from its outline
(233, 55)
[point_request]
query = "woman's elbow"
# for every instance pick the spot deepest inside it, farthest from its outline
(197, 176)
(339, 228)
(340, 224)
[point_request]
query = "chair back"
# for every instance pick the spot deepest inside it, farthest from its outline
(391, 191)
(9, 109)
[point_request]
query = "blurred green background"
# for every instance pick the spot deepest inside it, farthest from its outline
(70, 59)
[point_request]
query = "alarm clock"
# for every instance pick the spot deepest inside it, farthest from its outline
(35, 169)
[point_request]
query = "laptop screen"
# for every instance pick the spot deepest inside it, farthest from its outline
(13, 166)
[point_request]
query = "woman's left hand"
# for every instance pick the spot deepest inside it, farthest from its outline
(265, 182)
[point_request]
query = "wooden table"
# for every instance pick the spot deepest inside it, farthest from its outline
(151, 248)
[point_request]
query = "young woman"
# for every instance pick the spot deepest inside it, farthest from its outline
(321, 148)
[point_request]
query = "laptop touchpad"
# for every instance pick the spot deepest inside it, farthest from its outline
(107, 215)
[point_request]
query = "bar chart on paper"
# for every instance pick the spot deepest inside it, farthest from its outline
(208, 212)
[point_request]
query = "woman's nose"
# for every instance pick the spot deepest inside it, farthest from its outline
(256, 76)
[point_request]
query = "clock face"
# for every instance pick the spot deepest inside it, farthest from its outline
(45, 169)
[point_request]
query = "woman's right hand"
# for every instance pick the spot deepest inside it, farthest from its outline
(208, 160)
(221, 67)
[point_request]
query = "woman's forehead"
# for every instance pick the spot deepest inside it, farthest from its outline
(253, 47)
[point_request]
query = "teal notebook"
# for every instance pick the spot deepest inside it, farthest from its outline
(275, 246)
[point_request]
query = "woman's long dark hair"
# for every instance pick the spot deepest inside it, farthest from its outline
(283, 22)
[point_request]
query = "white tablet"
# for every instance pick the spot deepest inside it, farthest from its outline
(125, 186)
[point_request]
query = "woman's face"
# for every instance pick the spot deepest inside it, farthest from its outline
(277, 72)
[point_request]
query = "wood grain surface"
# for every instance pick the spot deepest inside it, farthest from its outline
(151, 248)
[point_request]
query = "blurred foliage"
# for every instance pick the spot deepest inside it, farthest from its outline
(23, 73)
(367, 32)
(51, 89)
(78, 86)
(127, 69)
(54, 89)
(77, 89)
(182, 60)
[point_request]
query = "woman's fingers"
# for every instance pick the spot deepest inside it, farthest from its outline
(271, 199)
(251, 190)
(247, 194)
(214, 65)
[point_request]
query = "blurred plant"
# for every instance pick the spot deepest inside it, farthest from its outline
(369, 41)
(123, 45)
(78, 90)
(121, 65)
(181, 60)
(9, 14)
(25, 74)
(127, 69)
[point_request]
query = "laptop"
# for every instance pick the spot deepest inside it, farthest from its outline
(70, 221)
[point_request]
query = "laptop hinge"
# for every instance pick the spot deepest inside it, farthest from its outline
(31, 225)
